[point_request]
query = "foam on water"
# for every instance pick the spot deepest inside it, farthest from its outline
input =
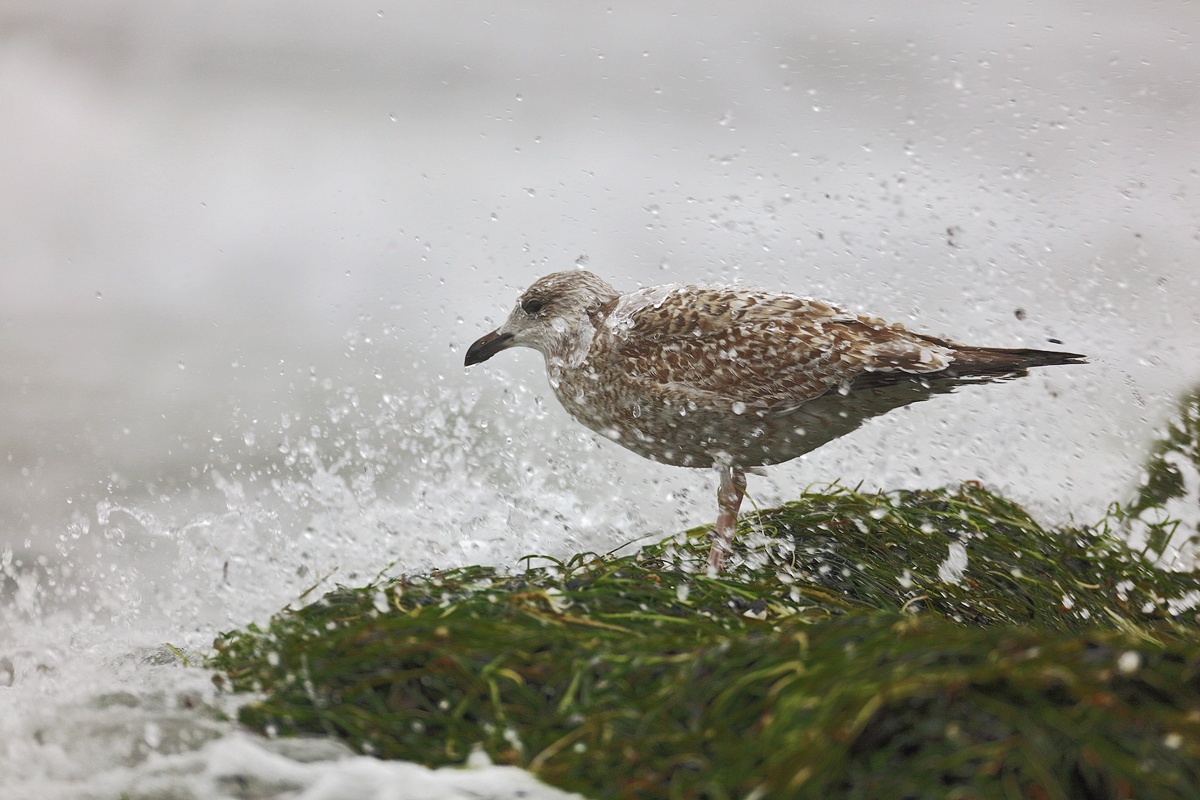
(96, 698)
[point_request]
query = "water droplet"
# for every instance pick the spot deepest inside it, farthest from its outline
(182, 365)
(152, 735)
(1129, 662)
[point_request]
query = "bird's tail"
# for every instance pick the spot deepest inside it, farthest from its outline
(982, 361)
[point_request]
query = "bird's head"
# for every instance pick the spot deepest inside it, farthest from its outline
(557, 316)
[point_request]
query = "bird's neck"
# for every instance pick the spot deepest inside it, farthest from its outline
(571, 347)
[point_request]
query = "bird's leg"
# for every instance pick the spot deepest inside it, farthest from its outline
(729, 500)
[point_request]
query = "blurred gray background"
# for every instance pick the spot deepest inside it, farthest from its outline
(243, 246)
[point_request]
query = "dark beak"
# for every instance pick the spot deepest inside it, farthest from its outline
(487, 347)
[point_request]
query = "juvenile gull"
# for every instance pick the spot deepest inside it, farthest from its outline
(730, 377)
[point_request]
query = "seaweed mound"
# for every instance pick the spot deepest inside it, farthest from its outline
(909, 644)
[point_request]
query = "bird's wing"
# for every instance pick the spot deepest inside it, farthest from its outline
(770, 352)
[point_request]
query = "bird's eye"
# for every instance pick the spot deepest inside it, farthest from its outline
(532, 306)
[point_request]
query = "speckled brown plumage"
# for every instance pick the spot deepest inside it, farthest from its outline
(699, 376)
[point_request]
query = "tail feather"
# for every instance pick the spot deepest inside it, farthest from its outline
(998, 361)
(970, 365)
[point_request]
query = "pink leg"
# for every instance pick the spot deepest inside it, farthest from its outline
(729, 500)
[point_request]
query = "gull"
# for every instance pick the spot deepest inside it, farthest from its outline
(731, 377)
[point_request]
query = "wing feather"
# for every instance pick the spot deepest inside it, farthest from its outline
(769, 352)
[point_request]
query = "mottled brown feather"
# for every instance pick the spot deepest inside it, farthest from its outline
(769, 351)
(695, 375)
